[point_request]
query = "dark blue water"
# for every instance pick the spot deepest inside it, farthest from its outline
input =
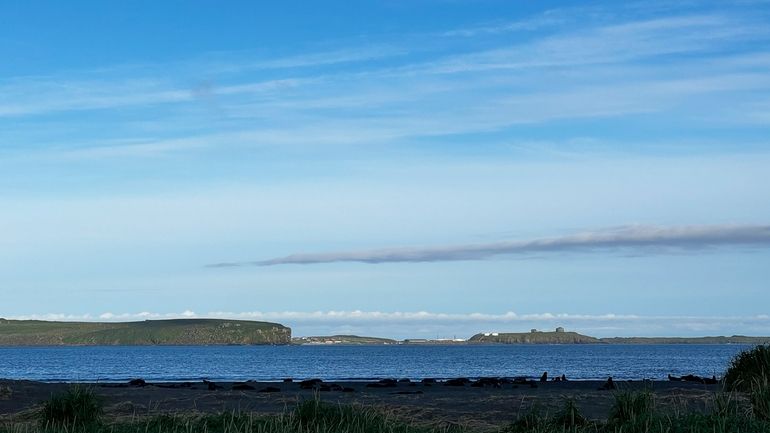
(224, 363)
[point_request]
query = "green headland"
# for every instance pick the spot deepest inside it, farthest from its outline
(196, 332)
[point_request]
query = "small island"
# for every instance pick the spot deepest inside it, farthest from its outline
(560, 336)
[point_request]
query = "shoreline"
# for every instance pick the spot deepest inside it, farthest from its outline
(351, 380)
(487, 405)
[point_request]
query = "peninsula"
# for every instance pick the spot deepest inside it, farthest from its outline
(176, 332)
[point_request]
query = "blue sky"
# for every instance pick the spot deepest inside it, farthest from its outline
(394, 168)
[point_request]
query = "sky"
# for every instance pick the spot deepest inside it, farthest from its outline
(397, 168)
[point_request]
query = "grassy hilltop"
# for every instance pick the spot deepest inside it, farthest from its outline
(538, 337)
(146, 333)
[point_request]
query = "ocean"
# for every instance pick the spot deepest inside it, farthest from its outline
(337, 362)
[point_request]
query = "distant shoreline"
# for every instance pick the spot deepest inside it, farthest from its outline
(223, 332)
(528, 338)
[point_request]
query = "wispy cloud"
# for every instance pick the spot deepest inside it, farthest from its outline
(484, 87)
(607, 44)
(638, 239)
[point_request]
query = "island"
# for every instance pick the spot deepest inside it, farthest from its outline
(560, 336)
(175, 332)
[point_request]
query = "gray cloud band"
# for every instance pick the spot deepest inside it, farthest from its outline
(639, 239)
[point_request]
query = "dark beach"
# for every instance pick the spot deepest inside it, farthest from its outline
(484, 407)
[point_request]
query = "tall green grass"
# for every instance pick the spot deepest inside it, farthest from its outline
(75, 412)
(760, 398)
(632, 412)
(747, 367)
(635, 412)
(78, 411)
(76, 407)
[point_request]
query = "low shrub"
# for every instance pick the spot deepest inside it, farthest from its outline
(78, 406)
(5, 392)
(533, 420)
(632, 410)
(570, 415)
(747, 367)
(760, 398)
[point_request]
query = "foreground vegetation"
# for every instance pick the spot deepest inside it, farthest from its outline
(743, 407)
(79, 410)
(148, 332)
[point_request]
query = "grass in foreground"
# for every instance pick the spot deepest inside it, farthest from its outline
(747, 368)
(636, 413)
(79, 411)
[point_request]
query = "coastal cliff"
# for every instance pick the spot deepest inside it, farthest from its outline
(177, 332)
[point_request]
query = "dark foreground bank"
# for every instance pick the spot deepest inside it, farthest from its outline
(473, 405)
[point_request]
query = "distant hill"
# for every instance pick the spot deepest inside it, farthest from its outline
(147, 333)
(562, 337)
(342, 339)
(538, 337)
(735, 339)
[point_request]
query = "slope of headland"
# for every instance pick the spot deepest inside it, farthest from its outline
(146, 333)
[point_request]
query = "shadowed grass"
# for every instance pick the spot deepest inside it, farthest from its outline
(631, 413)
(747, 367)
(78, 411)
(570, 415)
(760, 398)
(77, 407)
(634, 412)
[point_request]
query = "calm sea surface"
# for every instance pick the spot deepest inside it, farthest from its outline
(361, 362)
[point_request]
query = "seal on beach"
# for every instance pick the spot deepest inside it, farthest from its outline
(608, 385)
(137, 382)
(456, 382)
(211, 385)
(270, 389)
(309, 383)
